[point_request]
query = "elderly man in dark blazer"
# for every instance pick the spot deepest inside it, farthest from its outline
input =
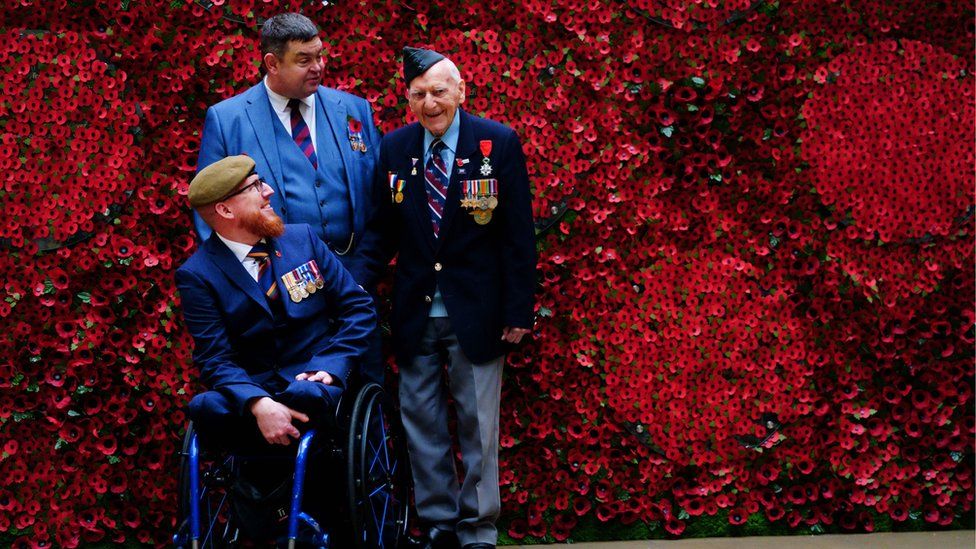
(279, 326)
(455, 207)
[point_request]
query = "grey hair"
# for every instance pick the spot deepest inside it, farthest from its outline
(452, 70)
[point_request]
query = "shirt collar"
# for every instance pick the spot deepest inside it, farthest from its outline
(280, 102)
(239, 249)
(450, 137)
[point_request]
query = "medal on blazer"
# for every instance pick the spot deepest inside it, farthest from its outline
(356, 134)
(317, 275)
(480, 196)
(414, 170)
(486, 152)
(303, 281)
(396, 187)
(293, 286)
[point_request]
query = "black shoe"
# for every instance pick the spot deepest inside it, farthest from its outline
(434, 539)
(479, 545)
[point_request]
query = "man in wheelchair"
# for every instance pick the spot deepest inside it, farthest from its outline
(279, 326)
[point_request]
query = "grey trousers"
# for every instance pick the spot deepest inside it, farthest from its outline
(471, 508)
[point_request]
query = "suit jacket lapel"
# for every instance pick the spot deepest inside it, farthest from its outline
(263, 121)
(227, 262)
(334, 117)
(416, 194)
(465, 148)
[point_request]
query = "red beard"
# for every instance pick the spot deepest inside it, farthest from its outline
(263, 225)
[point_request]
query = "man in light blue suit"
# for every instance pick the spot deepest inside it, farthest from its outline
(317, 147)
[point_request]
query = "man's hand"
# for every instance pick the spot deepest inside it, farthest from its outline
(324, 377)
(274, 420)
(513, 335)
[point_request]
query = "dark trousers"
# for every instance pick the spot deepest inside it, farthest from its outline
(219, 424)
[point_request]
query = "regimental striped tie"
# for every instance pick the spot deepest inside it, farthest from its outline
(266, 279)
(301, 134)
(435, 174)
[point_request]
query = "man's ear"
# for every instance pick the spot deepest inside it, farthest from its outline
(461, 89)
(271, 63)
(223, 210)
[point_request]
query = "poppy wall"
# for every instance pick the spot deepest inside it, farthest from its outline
(756, 273)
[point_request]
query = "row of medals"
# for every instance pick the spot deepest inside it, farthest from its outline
(481, 205)
(300, 291)
(357, 143)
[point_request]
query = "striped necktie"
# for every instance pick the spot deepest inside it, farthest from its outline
(300, 132)
(435, 174)
(266, 280)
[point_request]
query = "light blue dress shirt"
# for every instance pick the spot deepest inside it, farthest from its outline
(450, 139)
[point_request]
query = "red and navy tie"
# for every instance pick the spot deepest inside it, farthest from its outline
(301, 134)
(435, 174)
(266, 280)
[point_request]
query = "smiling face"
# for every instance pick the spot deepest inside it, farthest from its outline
(297, 72)
(248, 212)
(435, 95)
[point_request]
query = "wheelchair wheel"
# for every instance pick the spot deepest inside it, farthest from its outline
(377, 471)
(213, 480)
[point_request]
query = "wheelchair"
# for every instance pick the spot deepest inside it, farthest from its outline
(373, 502)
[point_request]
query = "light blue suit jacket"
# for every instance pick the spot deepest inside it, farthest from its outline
(246, 124)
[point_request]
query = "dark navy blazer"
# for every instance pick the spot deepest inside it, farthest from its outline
(246, 124)
(237, 345)
(486, 273)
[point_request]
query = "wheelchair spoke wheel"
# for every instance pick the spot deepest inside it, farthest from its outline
(377, 469)
(216, 528)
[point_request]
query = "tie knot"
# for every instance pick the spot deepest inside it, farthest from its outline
(260, 251)
(437, 146)
(294, 104)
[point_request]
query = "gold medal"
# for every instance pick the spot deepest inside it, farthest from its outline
(398, 197)
(492, 202)
(310, 287)
(481, 217)
(294, 295)
(319, 283)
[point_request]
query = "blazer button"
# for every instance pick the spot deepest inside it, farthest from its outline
(438, 267)
(427, 299)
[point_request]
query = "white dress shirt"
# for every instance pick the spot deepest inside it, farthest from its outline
(240, 251)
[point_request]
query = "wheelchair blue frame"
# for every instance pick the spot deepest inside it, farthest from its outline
(296, 517)
(376, 483)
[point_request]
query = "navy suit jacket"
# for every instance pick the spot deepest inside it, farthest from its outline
(246, 124)
(486, 273)
(237, 345)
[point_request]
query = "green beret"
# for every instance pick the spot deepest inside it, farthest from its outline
(218, 179)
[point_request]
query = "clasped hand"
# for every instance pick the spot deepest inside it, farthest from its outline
(275, 419)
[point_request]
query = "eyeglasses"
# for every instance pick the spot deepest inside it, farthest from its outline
(258, 184)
